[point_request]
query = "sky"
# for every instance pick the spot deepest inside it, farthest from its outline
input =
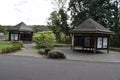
(32, 12)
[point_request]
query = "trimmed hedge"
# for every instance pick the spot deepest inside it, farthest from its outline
(16, 45)
(56, 55)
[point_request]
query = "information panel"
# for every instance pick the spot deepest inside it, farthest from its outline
(16, 36)
(99, 42)
(105, 42)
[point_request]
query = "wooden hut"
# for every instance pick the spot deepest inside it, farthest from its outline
(91, 35)
(20, 32)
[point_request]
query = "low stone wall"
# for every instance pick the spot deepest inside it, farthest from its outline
(114, 49)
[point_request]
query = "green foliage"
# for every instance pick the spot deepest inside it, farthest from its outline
(58, 20)
(58, 24)
(64, 38)
(62, 45)
(54, 24)
(39, 28)
(103, 11)
(115, 39)
(56, 55)
(15, 46)
(44, 39)
(4, 44)
(3, 29)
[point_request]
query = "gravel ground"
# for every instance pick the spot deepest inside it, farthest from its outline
(101, 56)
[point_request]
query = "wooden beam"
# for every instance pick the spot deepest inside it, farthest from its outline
(72, 43)
(31, 36)
(108, 48)
(9, 36)
(19, 36)
(95, 44)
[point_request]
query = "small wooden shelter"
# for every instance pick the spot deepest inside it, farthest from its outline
(20, 32)
(91, 35)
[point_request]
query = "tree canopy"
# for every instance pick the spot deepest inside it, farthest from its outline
(58, 20)
(103, 11)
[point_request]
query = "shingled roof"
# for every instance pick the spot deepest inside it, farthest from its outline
(21, 27)
(91, 26)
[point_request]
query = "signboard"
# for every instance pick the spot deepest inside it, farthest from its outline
(105, 42)
(16, 36)
(12, 36)
(99, 42)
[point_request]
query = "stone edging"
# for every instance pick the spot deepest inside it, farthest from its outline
(114, 49)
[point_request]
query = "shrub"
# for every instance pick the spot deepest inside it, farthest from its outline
(17, 43)
(44, 39)
(64, 38)
(115, 40)
(15, 46)
(56, 55)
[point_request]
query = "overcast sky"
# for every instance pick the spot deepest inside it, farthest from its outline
(31, 12)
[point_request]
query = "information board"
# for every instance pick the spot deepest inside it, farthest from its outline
(99, 42)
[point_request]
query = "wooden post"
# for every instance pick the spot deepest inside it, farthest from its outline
(108, 48)
(19, 36)
(95, 44)
(72, 43)
(9, 36)
(31, 37)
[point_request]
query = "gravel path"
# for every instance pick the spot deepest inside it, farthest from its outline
(102, 56)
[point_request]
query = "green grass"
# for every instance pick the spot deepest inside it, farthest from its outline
(4, 44)
(62, 45)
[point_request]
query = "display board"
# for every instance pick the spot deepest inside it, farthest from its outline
(12, 36)
(99, 42)
(16, 36)
(105, 42)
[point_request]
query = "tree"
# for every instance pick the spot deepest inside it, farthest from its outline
(103, 11)
(54, 24)
(63, 22)
(59, 4)
(58, 19)
(3, 29)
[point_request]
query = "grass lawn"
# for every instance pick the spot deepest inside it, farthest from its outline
(4, 44)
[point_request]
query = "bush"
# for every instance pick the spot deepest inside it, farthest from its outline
(64, 38)
(115, 40)
(15, 46)
(56, 55)
(17, 43)
(44, 39)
